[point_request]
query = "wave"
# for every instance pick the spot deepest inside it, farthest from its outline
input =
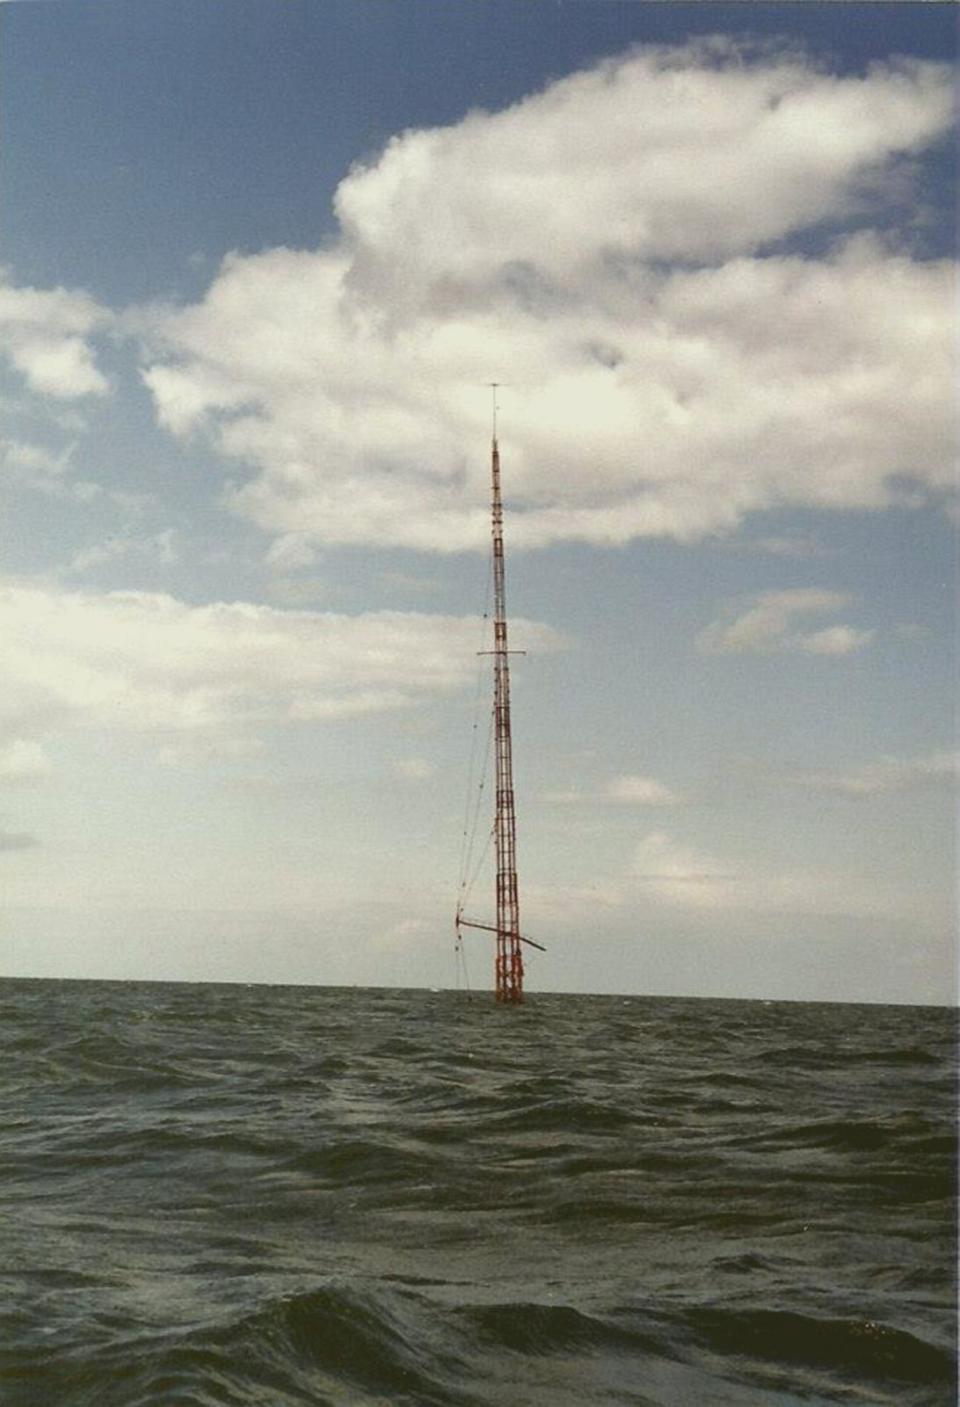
(231, 1197)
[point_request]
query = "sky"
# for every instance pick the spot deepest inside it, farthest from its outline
(259, 260)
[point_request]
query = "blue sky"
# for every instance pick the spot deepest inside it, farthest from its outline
(258, 260)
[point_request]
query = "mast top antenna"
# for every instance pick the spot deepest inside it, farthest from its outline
(494, 388)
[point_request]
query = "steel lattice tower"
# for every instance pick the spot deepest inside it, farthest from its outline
(509, 967)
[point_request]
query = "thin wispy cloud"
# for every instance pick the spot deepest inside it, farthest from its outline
(769, 624)
(673, 873)
(629, 789)
(885, 775)
(633, 790)
(161, 547)
(40, 470)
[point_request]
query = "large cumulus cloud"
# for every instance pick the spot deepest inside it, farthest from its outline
(617, 248)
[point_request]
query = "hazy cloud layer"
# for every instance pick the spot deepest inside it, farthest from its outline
(146, 662)
(671, 371)
(673, 873)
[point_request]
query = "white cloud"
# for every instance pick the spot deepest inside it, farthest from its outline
(147, 662)
(886, 774)
(673, 873)
(535, 244)
(23, 761)
(789, 146)
(642, 791)
(767, 626)
(834, 640)
(45, 334)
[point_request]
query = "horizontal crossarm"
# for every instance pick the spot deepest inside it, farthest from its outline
(489, 928)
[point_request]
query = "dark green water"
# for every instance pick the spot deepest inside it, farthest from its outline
(268, 1196)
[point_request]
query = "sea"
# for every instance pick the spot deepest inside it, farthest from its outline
(268, 1196)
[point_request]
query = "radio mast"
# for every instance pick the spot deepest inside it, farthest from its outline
(509, 958)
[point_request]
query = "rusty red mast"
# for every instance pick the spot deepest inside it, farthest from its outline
(509, 967)
(509, 957)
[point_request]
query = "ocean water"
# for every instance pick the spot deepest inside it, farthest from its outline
(278, 1195)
